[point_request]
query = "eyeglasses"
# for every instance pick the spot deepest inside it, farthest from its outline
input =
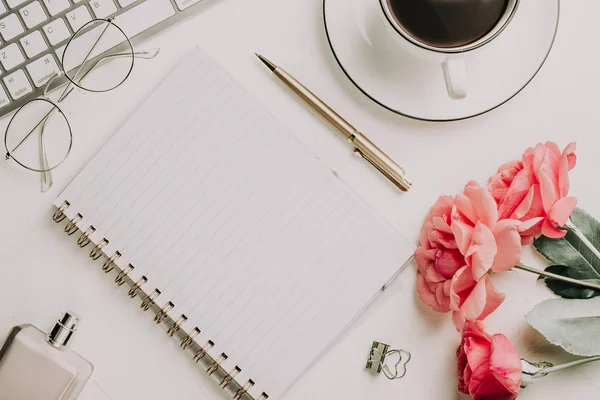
(39, 136)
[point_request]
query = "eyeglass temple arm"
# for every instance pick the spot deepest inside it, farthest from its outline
(144, 54)
(47, 180)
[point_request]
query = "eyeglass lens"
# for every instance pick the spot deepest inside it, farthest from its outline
(38, 136)
(97, 43)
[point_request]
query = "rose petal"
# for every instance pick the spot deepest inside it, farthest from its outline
(551, 231)
(548, 188)
(569, 152)
(524, 206)
(460, 287)
(448, 262)
(493, 299)
(481, 251)
(464, 206)
(490, 388)
(508, 241)
(478, 352)
(562, 210)
(563, 177)
(505, 363)
(484, 204)
(462, 234)
(472, 304)
(429, 298)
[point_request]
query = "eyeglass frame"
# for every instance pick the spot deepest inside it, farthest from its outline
(69, 87)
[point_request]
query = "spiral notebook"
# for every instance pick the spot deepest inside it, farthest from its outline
(242, 244)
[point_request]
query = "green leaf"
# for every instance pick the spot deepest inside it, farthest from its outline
(572, 257)
(573, 325)
(568, 290)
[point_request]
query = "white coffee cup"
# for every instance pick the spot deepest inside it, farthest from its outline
(451, 59)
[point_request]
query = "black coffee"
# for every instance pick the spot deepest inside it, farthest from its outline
(447, 23)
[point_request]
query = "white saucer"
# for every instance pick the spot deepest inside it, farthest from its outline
(415, 87)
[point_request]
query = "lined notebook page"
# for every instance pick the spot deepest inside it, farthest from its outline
(236, 223)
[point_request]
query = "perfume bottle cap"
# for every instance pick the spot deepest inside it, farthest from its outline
(64, 328)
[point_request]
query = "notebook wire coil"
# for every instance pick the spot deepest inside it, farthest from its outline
(177, 325)
(202, 352)
(137, 286)
(149, 300)
(122, 276)
(71, 227)
(189, 338)
(214, 365)
(109, 264)
(96, 252)
(162, 314)
(84, 239)
(59, 214)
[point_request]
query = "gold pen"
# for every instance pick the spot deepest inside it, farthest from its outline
(362, 145)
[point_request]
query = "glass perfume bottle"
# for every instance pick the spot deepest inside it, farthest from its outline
(39, 366)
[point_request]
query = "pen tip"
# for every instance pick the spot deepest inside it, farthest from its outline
(268, 63)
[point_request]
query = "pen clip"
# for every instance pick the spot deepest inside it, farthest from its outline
(385, 173)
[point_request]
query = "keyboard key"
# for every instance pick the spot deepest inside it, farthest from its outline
(78, 17)
(11, 56)
(132, 21)
(125, 3)
(33, 14)
(56, 6)
(57, 31)
(17, 84)
(15, 3)
(183, 4)
(33, 44)
(42, 69)
(103, 8)
(2, 11)
(4, 100)
(10, 26)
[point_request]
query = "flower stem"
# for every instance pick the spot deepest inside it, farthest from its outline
(558, 277)
(582, 237)
(550, 370)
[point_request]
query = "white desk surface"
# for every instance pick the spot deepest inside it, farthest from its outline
(42, 271)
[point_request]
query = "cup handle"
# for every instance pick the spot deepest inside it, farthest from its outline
(455, 75)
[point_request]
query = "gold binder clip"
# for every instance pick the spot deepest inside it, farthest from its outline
(84, 239)
(177, 325)
(96, 251)
(71, 227)
(121, 276)
(133, 291)
(377, 360)
(162, 314)
(202, 352)
(240, 393)
(263, 396)
(229, 377)
(59, 214)
(189, 339)
(109, 264)
(149, 300)
(213, 366)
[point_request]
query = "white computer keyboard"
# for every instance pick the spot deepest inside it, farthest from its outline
(34, 33)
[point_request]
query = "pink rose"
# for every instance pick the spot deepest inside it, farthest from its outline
(437, 256)
(486, 242)
(488, 366)
(460, 241)
(534, 190)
